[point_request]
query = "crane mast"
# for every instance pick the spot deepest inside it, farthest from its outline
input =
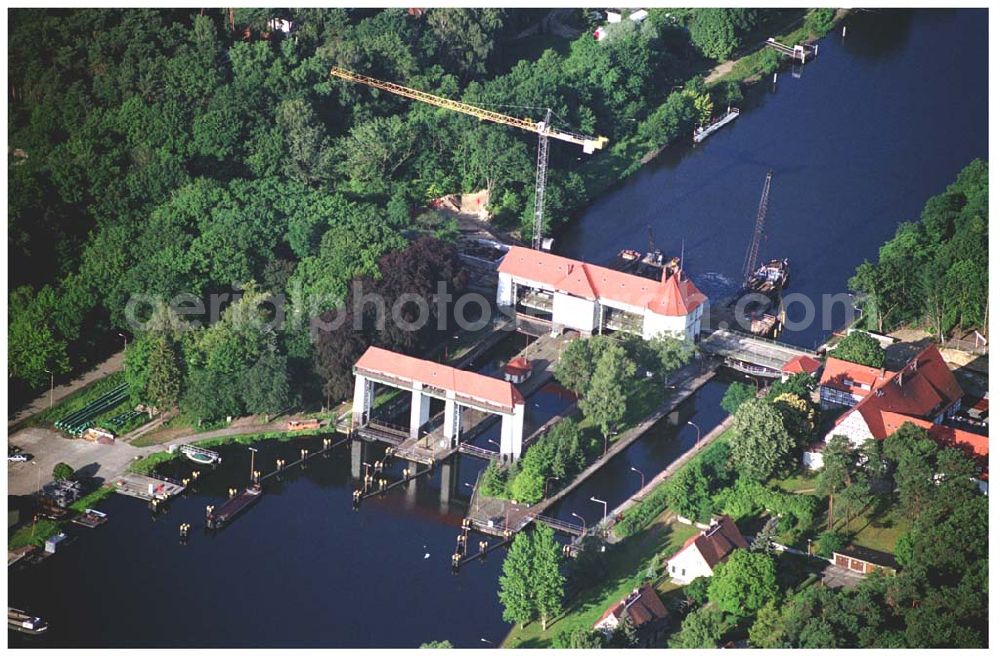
(753, 250)
(543, 128)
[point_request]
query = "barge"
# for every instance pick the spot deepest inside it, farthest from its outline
(216, 518)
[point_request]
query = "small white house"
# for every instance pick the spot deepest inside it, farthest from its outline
(638, 16)
(703, 552)
(614, 17)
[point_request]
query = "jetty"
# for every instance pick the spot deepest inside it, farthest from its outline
(800, 52)
(150, 489)
(702, 132)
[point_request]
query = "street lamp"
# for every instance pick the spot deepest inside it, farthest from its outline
(253, 453)
(594, 499)
(52, 385)
(696, 428)
(642, 477)
(581, 520)
(545, 490)
(126, 340)
(499, 449)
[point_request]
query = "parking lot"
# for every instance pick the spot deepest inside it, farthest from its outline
(48, 447)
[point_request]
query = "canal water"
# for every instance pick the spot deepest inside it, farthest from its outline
(878, 123)
(874, 126)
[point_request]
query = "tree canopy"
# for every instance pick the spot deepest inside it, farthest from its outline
(860, 348)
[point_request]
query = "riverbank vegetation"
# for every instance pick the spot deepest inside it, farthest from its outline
(934, 271)
(180, 153)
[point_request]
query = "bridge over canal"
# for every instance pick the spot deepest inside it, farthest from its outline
(753, 355)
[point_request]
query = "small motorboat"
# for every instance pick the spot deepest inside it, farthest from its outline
(21, 621)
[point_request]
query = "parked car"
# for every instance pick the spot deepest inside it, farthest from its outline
(18, 458)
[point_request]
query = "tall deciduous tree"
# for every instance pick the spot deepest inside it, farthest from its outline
(516, 582)
(163, 380)
(861, 348)
(266, 386)
(607, 393)
(744, 582)
(549, 582)
(761, 446)
(735, 395)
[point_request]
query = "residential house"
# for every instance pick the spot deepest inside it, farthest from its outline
(703, 552)
(643, 609)
(845, 383)
(924, 393)
(800, 364)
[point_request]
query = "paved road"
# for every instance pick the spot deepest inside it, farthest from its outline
(48, 448)
(111, 365)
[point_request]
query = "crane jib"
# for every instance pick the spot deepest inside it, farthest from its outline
(589, 144)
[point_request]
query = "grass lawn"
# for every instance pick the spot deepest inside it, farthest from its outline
(43, 529)
(90, 500)
(879, 532)
(625, 562)
(803, 480)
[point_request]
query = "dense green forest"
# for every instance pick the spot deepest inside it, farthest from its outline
(168, 152)
(934, 272)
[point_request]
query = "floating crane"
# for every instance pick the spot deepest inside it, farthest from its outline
(753, 250)
(543, 128)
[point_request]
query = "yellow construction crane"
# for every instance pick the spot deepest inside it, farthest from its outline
(543, 128)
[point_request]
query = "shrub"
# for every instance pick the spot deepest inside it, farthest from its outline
(829, 542)
(62, 471)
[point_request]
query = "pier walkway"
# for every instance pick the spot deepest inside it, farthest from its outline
(752, 355)
(494, 516)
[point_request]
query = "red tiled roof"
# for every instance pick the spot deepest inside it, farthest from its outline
(978, 445)
(465, 383)
(673, 297)
(801, 364)
(923, 388)
(641, 606)
(518, 366)
(836, 370)
(715, 543)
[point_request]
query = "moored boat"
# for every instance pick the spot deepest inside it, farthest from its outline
(21, 621)
(771, 277)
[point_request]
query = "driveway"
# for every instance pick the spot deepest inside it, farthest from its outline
(836, 577)
(105, 462)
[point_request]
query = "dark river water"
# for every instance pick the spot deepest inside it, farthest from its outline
(872, 128)
(878, 123)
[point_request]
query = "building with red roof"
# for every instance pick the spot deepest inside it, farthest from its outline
(800, 364)
(566, 293)
(703, 552)
(924, 393)
(643, 609)
(517, 370)
(428, 380)
(845, 383)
